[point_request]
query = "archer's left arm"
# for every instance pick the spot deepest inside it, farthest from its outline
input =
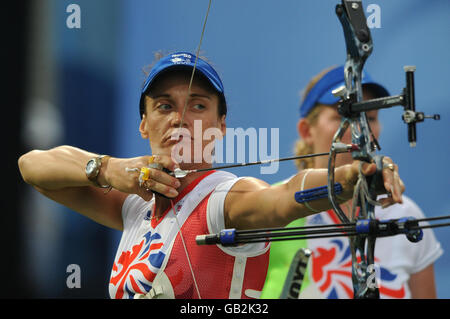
(252, 203)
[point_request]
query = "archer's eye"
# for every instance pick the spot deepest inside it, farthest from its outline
(199, 107)
(164, 107)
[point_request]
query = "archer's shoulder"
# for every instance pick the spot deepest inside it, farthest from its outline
(248, 183)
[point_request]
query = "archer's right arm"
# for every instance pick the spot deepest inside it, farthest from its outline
(59, 174)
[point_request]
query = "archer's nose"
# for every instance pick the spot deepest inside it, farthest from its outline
(176, 118)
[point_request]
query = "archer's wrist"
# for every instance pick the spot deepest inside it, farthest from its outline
(103, 175)
(347, 177)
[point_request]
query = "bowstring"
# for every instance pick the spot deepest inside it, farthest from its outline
(181, 125)
(186, 251)
(195, 64)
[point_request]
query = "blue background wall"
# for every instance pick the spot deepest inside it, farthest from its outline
(266, 52)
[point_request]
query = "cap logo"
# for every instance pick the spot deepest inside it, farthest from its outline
(181, 58)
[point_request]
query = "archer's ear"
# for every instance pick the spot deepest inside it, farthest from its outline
(143, 127)
(223, 125)
(304, 130)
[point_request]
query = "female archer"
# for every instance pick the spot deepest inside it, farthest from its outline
(160, 215)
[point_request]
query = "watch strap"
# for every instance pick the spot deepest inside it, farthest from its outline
(94, 177)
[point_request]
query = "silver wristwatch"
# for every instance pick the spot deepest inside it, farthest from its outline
(93, 169)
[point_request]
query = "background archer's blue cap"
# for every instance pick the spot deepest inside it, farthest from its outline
(180, 60)
(320, 93)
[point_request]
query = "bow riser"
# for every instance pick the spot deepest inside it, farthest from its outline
(359, 47)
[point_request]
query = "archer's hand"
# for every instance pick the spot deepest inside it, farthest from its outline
(393, 185)
(123, 174)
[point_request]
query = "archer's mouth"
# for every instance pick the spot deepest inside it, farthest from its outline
(176, 137)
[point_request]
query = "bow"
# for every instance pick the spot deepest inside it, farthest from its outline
(359, 47)
(361, 227)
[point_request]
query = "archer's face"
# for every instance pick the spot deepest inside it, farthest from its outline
(164, 112)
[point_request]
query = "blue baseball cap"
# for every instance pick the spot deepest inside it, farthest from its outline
(320, 93)
(180, 60)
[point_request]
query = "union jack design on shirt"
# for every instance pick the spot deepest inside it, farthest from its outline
(135, 269)
(331, 270)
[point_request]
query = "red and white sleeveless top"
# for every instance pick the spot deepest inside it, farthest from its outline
(152, 262)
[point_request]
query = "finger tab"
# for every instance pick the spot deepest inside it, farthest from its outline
(145, 173)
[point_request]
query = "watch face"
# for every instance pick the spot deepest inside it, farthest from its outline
(90, 167)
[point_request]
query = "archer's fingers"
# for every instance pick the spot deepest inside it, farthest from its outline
(368, 168)
(157, 181)
(392, 181)
(158, 178)
(149, 187)
(166, 161)
(352, 173)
